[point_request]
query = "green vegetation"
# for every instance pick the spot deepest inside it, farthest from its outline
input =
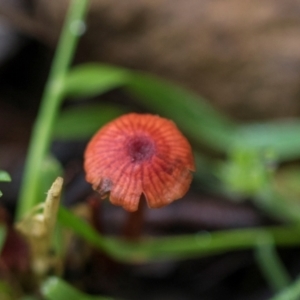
(253, 153)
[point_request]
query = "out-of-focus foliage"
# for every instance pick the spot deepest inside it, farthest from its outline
(4, 177)
(246, 167)
(55, 288)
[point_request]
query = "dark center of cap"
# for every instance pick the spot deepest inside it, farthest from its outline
(140, 148)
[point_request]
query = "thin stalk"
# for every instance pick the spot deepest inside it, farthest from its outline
(292, 292)
(187, 246)
(270, 263)
(52, 98)
(133, 227)
(179, 247)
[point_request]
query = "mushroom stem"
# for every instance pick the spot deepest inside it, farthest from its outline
(134, 224)
(96, 208)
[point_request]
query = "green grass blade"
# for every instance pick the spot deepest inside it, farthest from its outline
(93, 79)
(178, 247)
(199, 120)
(83, 229)
(290, 293)
(55, 288)
(280, 137)
(4, 176)
(270, 263)
(83, 122)
(48, 111)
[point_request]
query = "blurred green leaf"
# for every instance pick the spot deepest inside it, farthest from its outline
(199, 120)
(251, 173)
(6, 291)
(270, 263)
(292, 292)
(55, 288)
(4, 176)
(84, 230)
(82, 122)
(280, 137)
(246, 172)
(51, 169)
(177, 247)
(92, 79)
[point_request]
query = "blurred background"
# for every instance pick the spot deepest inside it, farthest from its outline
(243, 57)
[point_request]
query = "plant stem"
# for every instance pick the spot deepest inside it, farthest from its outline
(270, 263)
(52, 98)
(187, 246)
(180, 247)
(290, 293)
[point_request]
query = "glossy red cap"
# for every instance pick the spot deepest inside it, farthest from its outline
(139, 154)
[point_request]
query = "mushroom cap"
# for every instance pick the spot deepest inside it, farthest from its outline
(139, 154)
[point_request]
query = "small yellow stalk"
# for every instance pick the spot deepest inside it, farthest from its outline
(37, 228)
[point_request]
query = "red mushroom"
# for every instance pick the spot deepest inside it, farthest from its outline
(139, 154)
